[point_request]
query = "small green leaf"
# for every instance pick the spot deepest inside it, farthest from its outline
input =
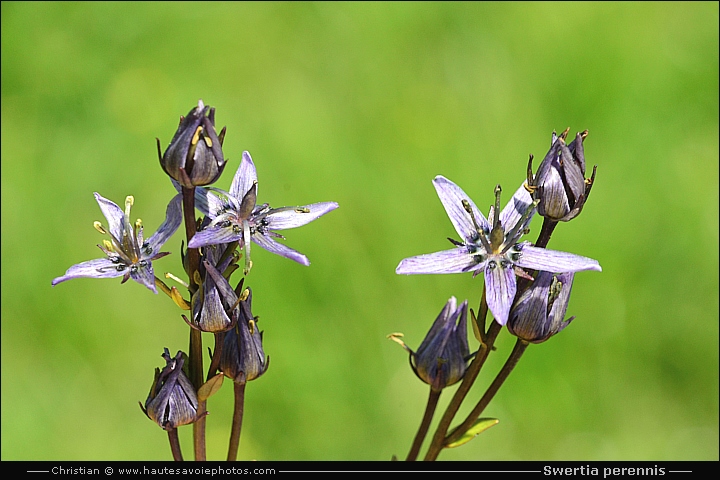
(210, 387)
(480, 425)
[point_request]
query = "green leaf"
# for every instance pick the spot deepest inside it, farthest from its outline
(480, 425)
(210, 387)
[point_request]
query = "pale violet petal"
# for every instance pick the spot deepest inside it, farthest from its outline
(214, 236)
(457, 260)
(500, 287)
(553, 260)
(144, 275)
(515, 208)
(99, 268)
(451, 197)
(296, 217)
(173, 219)
(244, 178)
(278, 248)
(113, 213)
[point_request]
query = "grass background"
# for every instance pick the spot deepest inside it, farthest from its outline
(363, 104)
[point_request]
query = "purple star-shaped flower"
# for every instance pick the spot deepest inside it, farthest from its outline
(490, 246)
(235, 216)
(128, 254)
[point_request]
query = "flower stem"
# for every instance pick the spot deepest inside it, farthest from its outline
(175, 445)
(424, 425)
(438, 440)
(195, 349)
(239, 389)
(546, 230)
(510, 363)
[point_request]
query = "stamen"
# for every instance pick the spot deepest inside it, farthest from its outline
(497, 191)
(246, 246)
(98, 226)
(481, 233)
(302, 210)
(512, 235)
(497, 234)
(177, 279)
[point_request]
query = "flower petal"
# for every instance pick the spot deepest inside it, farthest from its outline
(173, 219)
(515, 208)
(278, 248)
(451, 197)
(500, 287)
(144, 275)
(244, 178)
(297, 217)
(114, 215)
(99, 268)
(213, 236)
(457, 260)
(553, 260)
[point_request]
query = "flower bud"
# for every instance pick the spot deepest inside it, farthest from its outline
(172, 401)
(243, 358)
(539, 311)
(560, 184)
(194, 156)
(441, 359)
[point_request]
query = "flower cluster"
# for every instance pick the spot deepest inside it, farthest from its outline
(533, 308)
(233, 220)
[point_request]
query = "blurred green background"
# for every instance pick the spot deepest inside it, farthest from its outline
(363, 104)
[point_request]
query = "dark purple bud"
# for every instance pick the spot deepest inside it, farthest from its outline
(172, 401)
(442, 357)
(243, 358)
(560, 182)
(194, 156)
(539, 312)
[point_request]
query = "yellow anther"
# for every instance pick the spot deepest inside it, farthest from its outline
(108, 246)
(529, 188)
(302, 210)
(138, 224)
(244, 295)
(251, 326)
(208, 141)
(196, 136)
(98, 226)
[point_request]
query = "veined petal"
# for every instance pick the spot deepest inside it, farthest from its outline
(515, 209)
(451, 197)
(500, 287)
(244, 178)
(144, 275)
(99, 268)
(173, 219)
(114, 215)
(213, 236)
(457, 260)
(554, 261)
(296, 217)
(278, 248)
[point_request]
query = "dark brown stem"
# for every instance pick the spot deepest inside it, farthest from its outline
(195, 353)
(424, 425)
(237, 421)
(510, 363)
(175, 445)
